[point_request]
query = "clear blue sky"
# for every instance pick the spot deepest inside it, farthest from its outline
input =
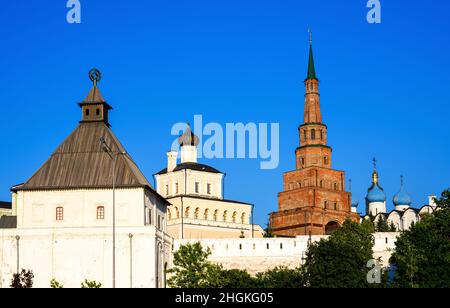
(385, 88)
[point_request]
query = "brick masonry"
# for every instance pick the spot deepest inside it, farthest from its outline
(314, 200)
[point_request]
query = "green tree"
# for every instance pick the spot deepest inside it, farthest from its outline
(444, 201)
(368, 225)
(90, 284)
(54, 284)
(382, 225)
(341, 260)
(280, 277)
(193, 270)
(24, 280)
(268, 232)
(239, 279)
(392, 227)
(422, 254)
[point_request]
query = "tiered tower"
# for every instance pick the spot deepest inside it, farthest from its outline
(314, 200)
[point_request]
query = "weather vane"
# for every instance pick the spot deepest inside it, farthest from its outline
(95, 76)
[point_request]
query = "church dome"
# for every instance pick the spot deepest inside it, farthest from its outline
(376, 194)
(402, 197)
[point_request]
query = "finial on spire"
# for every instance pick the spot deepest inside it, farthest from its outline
(374, 163)
(401, 180)
(310, 36)
(95, 76)
(311, 68)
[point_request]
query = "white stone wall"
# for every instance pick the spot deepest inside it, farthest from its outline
(166, 183)
(71, 255)
(37, 209)
(376, 208)
(259, 255)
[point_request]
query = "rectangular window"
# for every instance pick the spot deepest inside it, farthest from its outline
(59, 213)
(150, 217)
(176, 188)
(167, 190)
(208, 189)
(97, 112)
(100, 212)
(197, 187)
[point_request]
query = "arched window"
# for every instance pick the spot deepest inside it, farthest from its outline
(169, 214)
(335, 206)
(243, 218)
(216, 213)
(178, 212)
(234, 217)
(59, 213)
(335, 186)
(186, 212)
(313, 134)
(325, 160)
(321, 184)
(196, 213)
(305, 135)
(100, 212)
(326, 204)
(321, 134)
(206, 215)
(225, 216)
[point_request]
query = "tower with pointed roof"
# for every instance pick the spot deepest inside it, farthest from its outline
(314, 200)
(66, 207)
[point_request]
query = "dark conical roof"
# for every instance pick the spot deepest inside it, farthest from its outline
(311, 67)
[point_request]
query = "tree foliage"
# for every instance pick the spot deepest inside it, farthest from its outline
(90, 284)
(192, 268)
(24, 280)
(422, 254)
(341, 260)
(54, 284)
(382, 224)
(280, 277)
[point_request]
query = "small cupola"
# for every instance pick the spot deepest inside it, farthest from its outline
(402, 200)
(94, 107)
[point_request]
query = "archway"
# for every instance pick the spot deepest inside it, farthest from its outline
(332, 227)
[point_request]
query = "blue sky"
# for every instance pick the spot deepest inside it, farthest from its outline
(384, 88)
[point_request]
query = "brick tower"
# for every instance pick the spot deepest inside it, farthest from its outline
(314, 200)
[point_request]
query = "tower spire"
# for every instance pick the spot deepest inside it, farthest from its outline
(311, 67)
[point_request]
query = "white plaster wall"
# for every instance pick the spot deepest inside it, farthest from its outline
(259, 255)
(203, 178)
(72, 255)
(376, 208)
(37, 209)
